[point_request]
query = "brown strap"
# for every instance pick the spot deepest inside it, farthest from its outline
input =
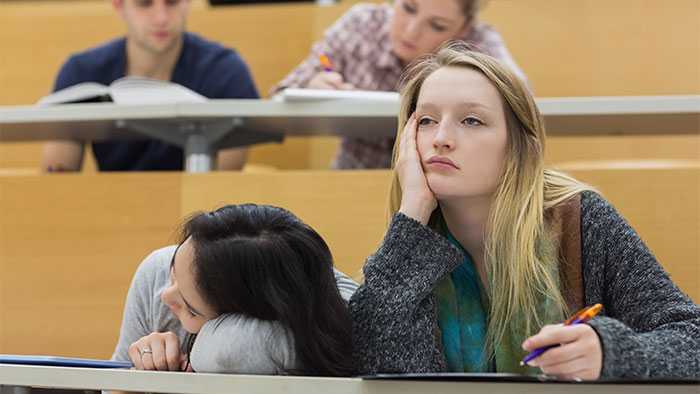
(564, 220)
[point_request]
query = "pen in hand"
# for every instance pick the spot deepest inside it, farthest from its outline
(329, 78)
(325, 62)
(579, 317)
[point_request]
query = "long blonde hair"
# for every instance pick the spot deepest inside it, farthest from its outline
(521, 257)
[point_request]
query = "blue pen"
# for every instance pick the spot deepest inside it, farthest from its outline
(579, 317)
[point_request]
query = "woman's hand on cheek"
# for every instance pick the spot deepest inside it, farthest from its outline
(158, 351)
(580, 355)
(417, 200)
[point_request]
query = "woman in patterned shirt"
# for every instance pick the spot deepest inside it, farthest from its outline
(370, 46)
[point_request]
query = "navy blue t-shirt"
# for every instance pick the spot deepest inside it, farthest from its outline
(203, 66)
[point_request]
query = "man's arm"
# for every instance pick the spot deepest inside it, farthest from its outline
(62, 156)
(231, 159)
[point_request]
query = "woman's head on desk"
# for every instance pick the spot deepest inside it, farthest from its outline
(263, 262)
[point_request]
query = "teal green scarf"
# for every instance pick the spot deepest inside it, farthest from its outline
(462, 306)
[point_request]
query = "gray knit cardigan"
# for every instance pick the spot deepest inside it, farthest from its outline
(648, 327)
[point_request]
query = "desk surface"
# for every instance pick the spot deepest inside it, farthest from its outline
(172, 382)
(563, 116)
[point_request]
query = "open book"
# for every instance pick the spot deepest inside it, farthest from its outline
(305, 95)
(128, 90)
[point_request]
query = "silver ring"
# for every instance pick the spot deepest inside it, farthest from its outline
(145, 350)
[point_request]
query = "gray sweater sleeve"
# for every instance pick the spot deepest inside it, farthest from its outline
(651, 329)
(144, 312)
(234, 343)
(346, 286)
(394, 321)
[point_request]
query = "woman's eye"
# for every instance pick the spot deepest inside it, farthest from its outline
(409, 8)
(472, 121)
(438, 28)
(424, 121)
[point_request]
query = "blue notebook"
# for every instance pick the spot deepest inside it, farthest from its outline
(62, 361)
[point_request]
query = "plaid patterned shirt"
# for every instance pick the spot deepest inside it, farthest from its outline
(359, 46)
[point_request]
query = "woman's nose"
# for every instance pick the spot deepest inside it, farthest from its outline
(167, 297)
(412, 32)
(443, 138)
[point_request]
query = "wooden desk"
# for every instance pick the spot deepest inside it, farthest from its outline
(189, 383)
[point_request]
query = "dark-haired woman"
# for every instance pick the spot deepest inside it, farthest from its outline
(249, 289)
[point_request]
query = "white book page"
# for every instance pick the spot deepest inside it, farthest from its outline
(305, 95)
(80, 92)
(137, 91)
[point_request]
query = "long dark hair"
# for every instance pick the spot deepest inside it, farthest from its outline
(263, 262)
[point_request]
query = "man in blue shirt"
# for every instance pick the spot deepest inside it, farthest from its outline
(156, 46)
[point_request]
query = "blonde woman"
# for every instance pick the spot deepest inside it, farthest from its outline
(370, 46)
(487, 250)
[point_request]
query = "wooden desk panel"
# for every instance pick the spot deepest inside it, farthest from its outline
(69, 245)
(661, 201)
(348, 208)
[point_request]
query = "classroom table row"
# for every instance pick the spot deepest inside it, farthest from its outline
(202, 128)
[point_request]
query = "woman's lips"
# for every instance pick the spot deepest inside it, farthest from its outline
(408, 45)
(442, 163)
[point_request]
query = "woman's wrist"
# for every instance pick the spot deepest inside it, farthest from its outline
(418, 210)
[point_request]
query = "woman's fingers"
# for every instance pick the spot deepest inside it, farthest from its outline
(411, 134)
(156, 351)
(579, 356)
(559, 355)
(407, 136)
(147, 356)
(568, 368)
(327, 80)
(157, 345)
(552, 335)
(172, 351)
(135, 355)
(417, 201)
